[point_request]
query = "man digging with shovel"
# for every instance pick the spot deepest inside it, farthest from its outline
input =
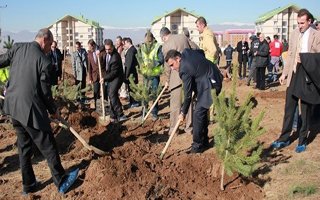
(28, 99)
(198, 75)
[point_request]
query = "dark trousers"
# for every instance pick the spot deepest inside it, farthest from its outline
(200, 127)
(242, 69)
(261, 76)
(115, 104)
(135, 80)
(97, 92)
(45, 142)
(154, 88)
(289, 113)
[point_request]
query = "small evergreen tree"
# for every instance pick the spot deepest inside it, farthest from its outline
(68, 92)
(236, 134)
(142, 91)
(8, 44)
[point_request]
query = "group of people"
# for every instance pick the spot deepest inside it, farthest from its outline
(190, 71)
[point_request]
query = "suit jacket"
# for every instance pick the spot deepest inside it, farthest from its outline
(242, 50)
(80, 64)
(56, 61)
(114, 69)
(313, 47)
(177, 42)
(130, 63)
(307, 82)
(28, 96)
(93, 68)
(262, 57)
(197, 74)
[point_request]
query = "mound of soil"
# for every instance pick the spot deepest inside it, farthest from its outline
(134, 171)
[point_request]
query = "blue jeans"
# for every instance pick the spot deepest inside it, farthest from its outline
(154, 87)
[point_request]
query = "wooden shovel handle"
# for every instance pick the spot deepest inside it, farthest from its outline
(65, 124)
(154, 104)
(101, 90)
(170, 138)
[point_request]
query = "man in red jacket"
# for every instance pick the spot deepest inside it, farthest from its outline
(275, 53)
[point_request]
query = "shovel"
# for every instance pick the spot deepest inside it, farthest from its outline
(154, 104)
(102, 119)
(64, 124)
(170, 138)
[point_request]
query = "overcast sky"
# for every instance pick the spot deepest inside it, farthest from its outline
(34, 14)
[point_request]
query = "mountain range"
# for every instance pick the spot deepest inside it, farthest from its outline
(136, 33)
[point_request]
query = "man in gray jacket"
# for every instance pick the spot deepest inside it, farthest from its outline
(80, 67)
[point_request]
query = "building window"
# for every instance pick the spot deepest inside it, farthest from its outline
(284, 23)
(294, 26)
(70, 31)
(284, 37)
(81, 36)
(275, 23)
(89, 29)
(89, 36)
(174, 27)
(284, 30)
(76, 34)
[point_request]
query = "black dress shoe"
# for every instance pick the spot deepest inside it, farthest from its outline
(195, 150)
(30, 189)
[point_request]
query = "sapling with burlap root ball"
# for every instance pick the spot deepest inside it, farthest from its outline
(236, 135)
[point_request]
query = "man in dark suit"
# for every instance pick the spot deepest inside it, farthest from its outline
(56, 59)
(130, 68)
(197, 75)
(114, 76)
(242, 49)
(27, 101)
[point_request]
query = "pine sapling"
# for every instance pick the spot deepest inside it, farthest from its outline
(236, 134)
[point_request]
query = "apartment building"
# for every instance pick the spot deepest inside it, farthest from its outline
(70, 29)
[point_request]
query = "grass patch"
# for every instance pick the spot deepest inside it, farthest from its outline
(305, 190)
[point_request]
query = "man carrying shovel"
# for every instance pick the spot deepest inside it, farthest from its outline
(28, 99)
(198, 75)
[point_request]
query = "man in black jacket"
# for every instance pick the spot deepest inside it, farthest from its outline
(114, 76)
(198, 76)
(242, 49)
(56, 59)
(130, 67)
(27, 101)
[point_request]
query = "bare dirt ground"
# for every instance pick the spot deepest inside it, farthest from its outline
(132, 168)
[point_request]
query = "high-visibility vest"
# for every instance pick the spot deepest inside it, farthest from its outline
(152, 55)
(4, 74)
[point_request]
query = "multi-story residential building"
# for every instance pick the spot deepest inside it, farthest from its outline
(233, 36)
(280, 21)
(70, 29)
(176, 20)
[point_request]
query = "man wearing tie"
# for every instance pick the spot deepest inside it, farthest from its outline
(114, 76)
(56, 59)
(303, 40)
